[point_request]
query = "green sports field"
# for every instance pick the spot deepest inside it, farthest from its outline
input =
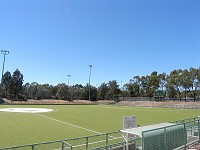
(70, 121)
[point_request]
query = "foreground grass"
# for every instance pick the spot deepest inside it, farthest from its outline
(23, 128)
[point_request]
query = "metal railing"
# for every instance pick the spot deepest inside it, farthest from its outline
(178, 136)
(87, 142)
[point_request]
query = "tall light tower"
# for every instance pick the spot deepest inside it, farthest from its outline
(90, 66)
(4, 52)
(68, 78)
(68, 86)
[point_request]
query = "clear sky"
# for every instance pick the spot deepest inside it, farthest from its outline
(49, 39)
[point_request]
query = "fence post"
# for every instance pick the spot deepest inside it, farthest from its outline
(142, 140)
(63, 145)
(185, 134)
(33, 147)
(107, 139)
(86, 142)
(165, 139)
(199, 130)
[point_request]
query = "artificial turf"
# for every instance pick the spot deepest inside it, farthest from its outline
(70, 121)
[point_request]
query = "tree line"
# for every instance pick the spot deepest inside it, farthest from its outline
(179, 84)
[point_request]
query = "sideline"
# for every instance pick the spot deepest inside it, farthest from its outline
(62, 121)
(67, 123)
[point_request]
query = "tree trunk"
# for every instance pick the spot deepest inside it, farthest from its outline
(194, 96)
(185, 95)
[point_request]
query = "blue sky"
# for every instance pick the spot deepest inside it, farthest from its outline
(49, 39)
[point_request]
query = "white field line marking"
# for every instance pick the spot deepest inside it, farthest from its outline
(72, 125)
(67, 123)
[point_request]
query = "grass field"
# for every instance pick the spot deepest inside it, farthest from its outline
(69, 121)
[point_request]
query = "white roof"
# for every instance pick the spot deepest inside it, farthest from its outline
(138, 130)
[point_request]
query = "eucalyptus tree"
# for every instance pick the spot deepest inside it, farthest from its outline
(198, 82)
(63, 92)
(162, 84)
(43, 92)
(153, 83)
(173, 84)
(53, 90)
(147, 86)
(33, 90)
(136, 85)
(162, 81)
(6, 83)
(103, 91)
(76, 91)
(16, 84)
(133, 88)
(93, 93)
(129, 87)
(26, 90)
(144, 86)
(185, 82)
(85, 93)
(195, 82)
(113, 90)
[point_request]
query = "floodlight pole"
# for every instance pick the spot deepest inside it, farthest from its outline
(4, 52)
(68, 86)
(68, 78)
(90, 66)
